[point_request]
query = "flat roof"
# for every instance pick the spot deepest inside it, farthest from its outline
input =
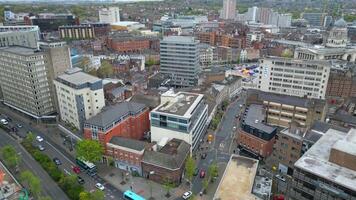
(180, 104)
(180, 39)
(128, 143)
(316, 159)
(25, 51)
(255, 117)
(238, 179)
(76, 77)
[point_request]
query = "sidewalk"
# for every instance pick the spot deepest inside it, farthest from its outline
(139, 185)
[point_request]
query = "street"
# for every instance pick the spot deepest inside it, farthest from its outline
(222, 146)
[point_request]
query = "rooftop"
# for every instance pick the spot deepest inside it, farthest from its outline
(316, 159)
(25, 51)
(180, 39)
(181, 103)
(171, 156)
(76, 77)
(128, 143)
(115, 113)
(255, 118)
(238, 179)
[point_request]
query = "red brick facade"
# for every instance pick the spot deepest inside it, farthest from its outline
(129, 45)
(132, 127)
(125, 156)
(254, 144)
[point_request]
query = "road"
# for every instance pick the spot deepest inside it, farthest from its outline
(53, 149)
(49, 187)
(221, 148)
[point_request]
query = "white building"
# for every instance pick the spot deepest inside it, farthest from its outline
(80, 96)
(109, 15)
(181, 115)
(251, 14)
(284, 20)
(294, 77)
(229, 9)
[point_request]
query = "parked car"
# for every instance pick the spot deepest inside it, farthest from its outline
(240, 105)
(80, 180)
(187, 195)
(100, 186)
(196, 172)
(76, 169)
(39, 138)
(57, 161)
(92, 174)
(4, 122)
(202, 173)
(41, 147)
(19, 125)
(280, 177)
(203, 156)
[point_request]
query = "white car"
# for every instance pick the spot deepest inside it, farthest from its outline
(240, 105)
(39, 138)
(187, 195)
(4, 122)
(100, 186)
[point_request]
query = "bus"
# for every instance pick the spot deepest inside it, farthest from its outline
(90, 167)
(129, 195)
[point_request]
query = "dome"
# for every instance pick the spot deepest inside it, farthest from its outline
(341, 23)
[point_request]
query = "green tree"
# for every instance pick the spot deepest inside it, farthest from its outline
(71, 186)
(96, 195)
(84, 64)
(190, 166)
(93, 72)
(168, 185)
(45, 198)
(30, 137)
(287, 53)
(10, 156)
(106, 69)
(90, 150)
(213, 170)
(32, 182)
(205, 184)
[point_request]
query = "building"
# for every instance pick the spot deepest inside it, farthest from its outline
(26, 77)
(26, 36)
(128, 43)
(179, 59)
(314, 19)
(125, 119)
(342, 81)
(109, 15)
(80, 96)
(294, 77)
(78, 32)
(281, 110)
(284, 20)
(180, 115)
(337, 35)
(255, 135)
(48, 22)
(166, 164)
(327, 169)
(229, 9)
(324, 53)
(126, 153)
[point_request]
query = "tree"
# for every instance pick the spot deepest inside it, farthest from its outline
(45, 198)
(93, 72)
(84, 64)
(205, 184)
(71, 186)
(105, 70)
(90, 150)
(213, 170)
(96, 195)
(168, 185)
(287, 53)
(33, 182)
(30, 137)
(190, 166)
(10, 156)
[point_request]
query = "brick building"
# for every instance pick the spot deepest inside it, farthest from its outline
(166, 164)
(254, 135)
(123, 42)
(341, 83)
(227, 40)
(126, 119)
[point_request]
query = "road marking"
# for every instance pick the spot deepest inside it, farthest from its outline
(65, 157)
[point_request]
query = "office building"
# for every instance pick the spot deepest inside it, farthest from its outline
(125, 119)
(342, 80)
(327, 170)
(180, 115)
(26, 77)
(26, 36)
(252, 14)
(179, 58)
(284, 20)
(48, 22)
(76, 32)
(109, 15)
(229, 9)
(254, 135)
(80, 96)
(294, 77)
(281, 110)
(314, 19)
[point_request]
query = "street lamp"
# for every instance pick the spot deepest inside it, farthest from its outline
(150, 174)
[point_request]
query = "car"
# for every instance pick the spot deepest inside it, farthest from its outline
(76, 169)
(280, 177)
(92, 174)
(80, 180)
(4, 122)
(203, 156)
(39, 138)
(196, 172)
(57, 161)
(234, 128)
(187, 195)
(202, 173)
(240, 105)
(41, 147)
(100, 186)
(19, 125)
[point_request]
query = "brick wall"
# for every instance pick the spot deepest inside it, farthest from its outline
(255, 144)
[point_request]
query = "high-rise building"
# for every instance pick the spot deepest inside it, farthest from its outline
(179, 57)
(252, 14)
(284, 20)
(26, 78)
(26, 36)
(328, 169)
(80, 96)
(109, 15)
(314, 19)
(229, 9)
(294, 77)
(180, 115)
